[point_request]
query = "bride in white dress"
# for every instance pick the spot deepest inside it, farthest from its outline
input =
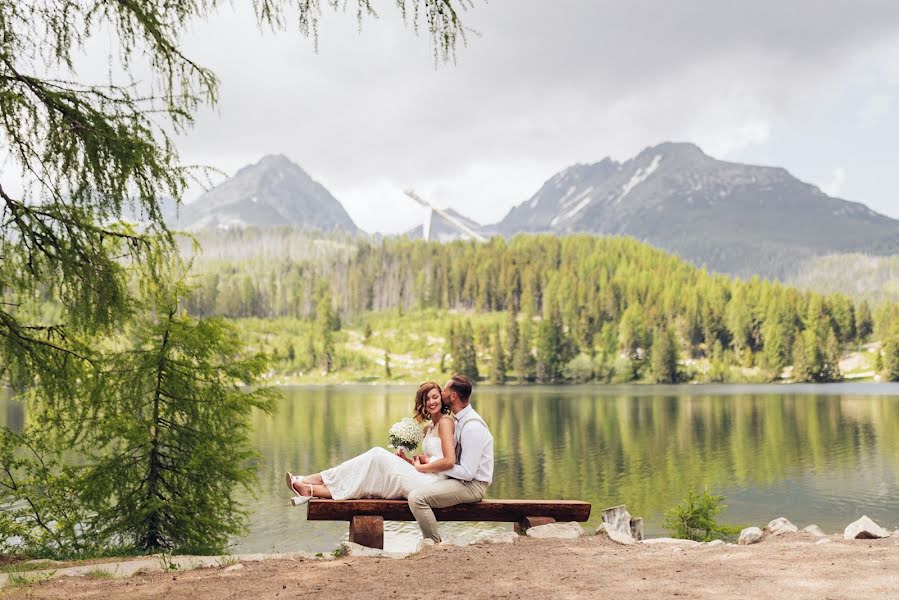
(379, 473)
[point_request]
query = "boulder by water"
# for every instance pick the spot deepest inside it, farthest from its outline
(750, 535)
(781, 526)
(865, 529)
(815, 531)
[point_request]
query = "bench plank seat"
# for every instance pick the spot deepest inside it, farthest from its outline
(507, 511)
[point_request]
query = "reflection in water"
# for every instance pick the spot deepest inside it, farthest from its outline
(824, 454)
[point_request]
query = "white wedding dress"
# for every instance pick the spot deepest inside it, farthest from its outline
(381, 474)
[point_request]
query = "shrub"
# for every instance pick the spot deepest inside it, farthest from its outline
(694, 518)
(579, 369)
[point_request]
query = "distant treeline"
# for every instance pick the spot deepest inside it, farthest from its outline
(583, 295)
(873, 278)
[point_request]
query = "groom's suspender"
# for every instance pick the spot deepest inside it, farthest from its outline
(461, 428)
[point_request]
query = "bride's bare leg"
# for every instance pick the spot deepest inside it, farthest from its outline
(317, 490)
(315, 479)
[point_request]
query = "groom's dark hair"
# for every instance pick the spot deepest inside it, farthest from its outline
(461, 385)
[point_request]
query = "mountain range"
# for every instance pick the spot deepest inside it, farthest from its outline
(732, 218)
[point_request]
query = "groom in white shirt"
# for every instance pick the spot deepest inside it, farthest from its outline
(468, 479)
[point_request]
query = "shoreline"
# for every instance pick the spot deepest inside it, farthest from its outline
(888, 388)
(796, 565)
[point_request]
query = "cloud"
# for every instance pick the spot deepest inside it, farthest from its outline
(541, 86)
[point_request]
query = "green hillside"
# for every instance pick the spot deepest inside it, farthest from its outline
(862, 276)
(534, 308)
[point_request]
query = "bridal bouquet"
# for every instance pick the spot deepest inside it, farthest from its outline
(405, 434)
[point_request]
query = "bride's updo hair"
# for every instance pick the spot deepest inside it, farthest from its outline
(421, 399)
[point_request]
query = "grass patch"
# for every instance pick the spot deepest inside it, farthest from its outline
(228, 561)
(19, 567)
(27, 579)
(99, 574)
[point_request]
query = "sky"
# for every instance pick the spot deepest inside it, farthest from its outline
(809, 85)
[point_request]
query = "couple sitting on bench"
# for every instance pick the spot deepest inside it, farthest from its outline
(455, 468)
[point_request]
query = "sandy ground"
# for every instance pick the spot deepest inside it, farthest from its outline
(594, 567)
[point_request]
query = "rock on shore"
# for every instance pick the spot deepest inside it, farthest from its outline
(556, 531)
(781, 526)
(750, 535)
(815, 531)
(865, 529)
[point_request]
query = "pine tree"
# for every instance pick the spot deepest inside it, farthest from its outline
(878, 361)
(718, 368)
(830, 370)
(170, 447)
(864, 322)
(631, 332)
(816, 357)
(524, 362)
(498, 364)
(311, 353)
(663, 359)
(553, 349)
(326, 323)
(465, 360)
(774, 353)
(452, 338)
(803, 367)
(890, 359)
(511, 333)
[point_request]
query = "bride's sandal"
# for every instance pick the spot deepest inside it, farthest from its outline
(299, 499)
(292, 479)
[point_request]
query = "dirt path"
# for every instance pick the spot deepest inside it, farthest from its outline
(593, 567)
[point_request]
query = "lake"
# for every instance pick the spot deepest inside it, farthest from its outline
(822, 454)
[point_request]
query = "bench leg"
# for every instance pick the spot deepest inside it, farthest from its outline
(367, 531)
(522, 526)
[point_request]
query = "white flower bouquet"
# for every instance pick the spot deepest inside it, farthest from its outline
(405, 434)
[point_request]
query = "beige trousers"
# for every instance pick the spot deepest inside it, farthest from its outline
(440, 494)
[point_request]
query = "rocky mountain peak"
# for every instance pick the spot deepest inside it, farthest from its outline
(273, 191)
(730, 217)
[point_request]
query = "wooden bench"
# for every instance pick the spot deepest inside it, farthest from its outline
(366, 517)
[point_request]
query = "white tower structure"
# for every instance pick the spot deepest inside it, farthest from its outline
(464, 229)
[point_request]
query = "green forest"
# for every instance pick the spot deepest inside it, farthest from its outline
(535, 308)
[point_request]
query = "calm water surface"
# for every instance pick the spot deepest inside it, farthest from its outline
(815, 454)
(822, 454)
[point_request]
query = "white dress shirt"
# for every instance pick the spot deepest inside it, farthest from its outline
(476, 459)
